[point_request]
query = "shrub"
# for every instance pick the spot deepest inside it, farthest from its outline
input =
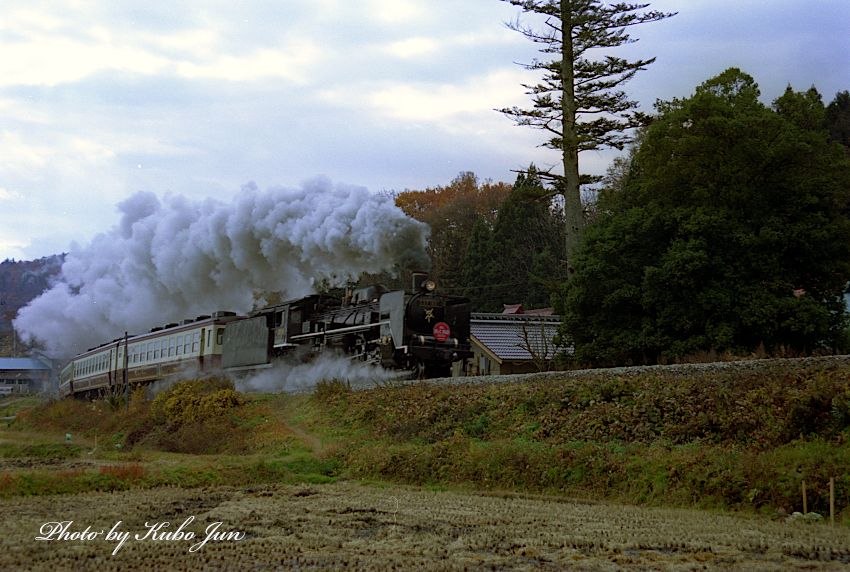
(194, 401)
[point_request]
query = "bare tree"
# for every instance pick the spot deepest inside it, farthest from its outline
(542, 349)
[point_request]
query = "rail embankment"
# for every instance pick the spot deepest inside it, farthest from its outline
(729, 434)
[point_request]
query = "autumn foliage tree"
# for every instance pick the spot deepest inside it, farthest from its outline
(452, 212)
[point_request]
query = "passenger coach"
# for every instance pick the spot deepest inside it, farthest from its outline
(190, 345)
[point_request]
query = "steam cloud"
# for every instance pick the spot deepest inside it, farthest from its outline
(286, 377)
(176, 258)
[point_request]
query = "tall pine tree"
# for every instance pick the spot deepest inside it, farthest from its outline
(578, 102)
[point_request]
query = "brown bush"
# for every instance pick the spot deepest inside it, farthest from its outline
(124, 472)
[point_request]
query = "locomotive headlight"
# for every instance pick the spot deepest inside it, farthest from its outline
(429, 285)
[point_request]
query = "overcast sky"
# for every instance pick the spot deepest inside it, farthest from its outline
(100, 99)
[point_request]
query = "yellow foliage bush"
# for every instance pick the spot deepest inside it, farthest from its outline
(192, 401)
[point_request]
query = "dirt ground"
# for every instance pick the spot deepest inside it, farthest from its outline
(376, 527)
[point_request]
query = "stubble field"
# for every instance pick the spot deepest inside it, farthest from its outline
(376, 527)
(477, 477)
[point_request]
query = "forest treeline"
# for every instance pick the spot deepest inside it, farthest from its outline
(725, 228)
(20, 282)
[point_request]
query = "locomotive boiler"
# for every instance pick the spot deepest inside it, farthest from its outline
(421, 331)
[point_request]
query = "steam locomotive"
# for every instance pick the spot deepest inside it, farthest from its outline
(422, 331)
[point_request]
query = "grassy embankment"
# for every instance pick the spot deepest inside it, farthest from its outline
(722, 438)
(195, 434)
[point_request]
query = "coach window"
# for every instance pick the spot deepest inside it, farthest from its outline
(196, 341)
(187, 343)
(155, 350)
(219, 336)
(171, 346)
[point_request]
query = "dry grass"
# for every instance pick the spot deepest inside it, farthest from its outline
(381, 528)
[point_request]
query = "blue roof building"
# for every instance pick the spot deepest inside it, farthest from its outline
(24, 375)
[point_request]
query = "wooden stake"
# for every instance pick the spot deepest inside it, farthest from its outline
(832, 501)
(805, 503)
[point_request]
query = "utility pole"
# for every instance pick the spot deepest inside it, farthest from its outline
(126, 380)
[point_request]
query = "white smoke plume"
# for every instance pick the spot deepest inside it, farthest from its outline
(287, 377)
(176, 258)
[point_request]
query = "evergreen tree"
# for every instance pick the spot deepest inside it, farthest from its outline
(576, 86)
(731, 230)
(805, 110)
(838, 119)
(520, 259)
(480, 270)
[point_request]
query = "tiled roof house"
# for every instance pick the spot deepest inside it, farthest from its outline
(516, 341)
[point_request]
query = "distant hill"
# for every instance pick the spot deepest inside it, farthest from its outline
(20, 282)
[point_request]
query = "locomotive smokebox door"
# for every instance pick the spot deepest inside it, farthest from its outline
(392, 311)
